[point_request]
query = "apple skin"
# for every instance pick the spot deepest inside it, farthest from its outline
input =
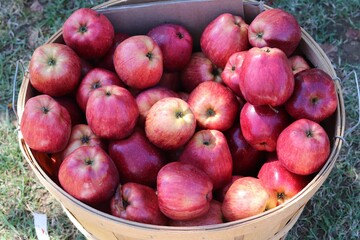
(214, 106)
(76, 114)
(176, 45)
(208, 150)
(225, 35)
(45, 124)
(112, 112)
(246, 197)
(246, 159)
(89, 175)
(170, 123)
(94, 79)
(213, 216)
(89, 33)
(170, 80)
(184, 191)
(138, 61)
(230, 75)
(314, 96)
(275, 177)
(261, 125)
(219, 194)
(266, 77)
(136, 159)
(303, 147)
(54, 69)
(86, 66)
(136, 202)
(275, 28)
(147, 98)
(200, 69)
(298, 64)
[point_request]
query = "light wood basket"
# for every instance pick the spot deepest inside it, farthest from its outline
(272, 224)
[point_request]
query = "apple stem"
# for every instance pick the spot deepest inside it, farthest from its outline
(309, 133)
(149, 55)
(179, 114)
(210, 112)
(45, 110)
(274, 109)
(51, 62)
(180, 35)
(83, 29)
(85, 139)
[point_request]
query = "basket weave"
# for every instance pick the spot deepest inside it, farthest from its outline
(272, 224)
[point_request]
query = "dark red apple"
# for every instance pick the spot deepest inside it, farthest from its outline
(224, 36)
(298, 63)
(275, 28)
(314, 97)
(303, 147)
(76, 114)
(170, 80)
(175, 43)
(266, 77)
(89, 33)
(209, 151)
(136, 202)
(184, 191)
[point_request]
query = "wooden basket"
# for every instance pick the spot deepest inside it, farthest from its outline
(272, 224)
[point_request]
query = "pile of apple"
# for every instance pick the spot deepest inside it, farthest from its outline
(150, 129)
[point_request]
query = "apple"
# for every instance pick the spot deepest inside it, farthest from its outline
(230, 75)
(303, 147)
(214, 106)
(138, 61)
(266, 77)
(314, 97)
(208, 150)
(184, 191)
(219, 194)
(137, 159)
(200, 69)
(95, 78)
(45, 125)
(246, 197)
(54, 69)
(86, 66)
(262, 125)
(298, 63)
(89, 175)
(89, 33)
(275, 177)
(224, 36)
(170, 123)
(275, 28)
(213, 216)
(136, 202)
(76, 114)
(176, 45)
(112, 112)
(147, 98)
(246, 159)
(170, 80)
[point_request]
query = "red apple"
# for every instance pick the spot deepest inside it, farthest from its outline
(86, 66)
(200, 69)
(89, 33)
(175, 43)
(54, 69)
(246, 197)
(76, 114)
(112, 112)
(208, 150)
(303, 147)
(275, 177)
(170, 123)
(213, 216)
(138, 62)
(184, 191)
(224, 36)
(246, 159)
(262, 125)
(89, 175)
(170, 80)
(230, 75)
(314, 96)
(136, 202)
(95, 78)
(298, 63)
(266, 77)
(137, 159)
(220, 193)
(214, 106)
(275, 28)
(45, 125)
(147, 98)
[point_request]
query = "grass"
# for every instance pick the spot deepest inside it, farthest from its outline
(332, 213)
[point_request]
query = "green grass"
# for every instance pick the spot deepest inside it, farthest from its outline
(333, 212)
